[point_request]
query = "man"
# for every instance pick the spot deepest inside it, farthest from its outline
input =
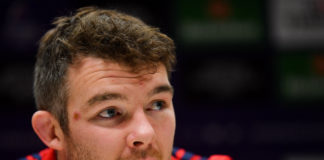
(102, 90)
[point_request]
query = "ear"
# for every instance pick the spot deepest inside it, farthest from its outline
(48, 129)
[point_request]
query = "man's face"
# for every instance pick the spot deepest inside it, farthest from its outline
(116, 114)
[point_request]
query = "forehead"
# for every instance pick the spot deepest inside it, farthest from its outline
(82, 64)
(92, 69)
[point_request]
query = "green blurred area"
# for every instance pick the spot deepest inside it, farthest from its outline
(301, 76)
(208, 22)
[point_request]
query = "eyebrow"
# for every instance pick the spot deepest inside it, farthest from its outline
(161, 89)
(106, 96)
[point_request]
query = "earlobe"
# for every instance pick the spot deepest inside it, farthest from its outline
(48, 129)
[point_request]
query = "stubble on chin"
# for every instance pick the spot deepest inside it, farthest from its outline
(80, 152)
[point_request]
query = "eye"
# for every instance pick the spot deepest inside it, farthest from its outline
(157, 105)
(109, 113)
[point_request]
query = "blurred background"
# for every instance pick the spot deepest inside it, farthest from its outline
(249, 80)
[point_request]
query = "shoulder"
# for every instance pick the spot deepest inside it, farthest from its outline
(182, 154)
(46, 154)
(177, 154)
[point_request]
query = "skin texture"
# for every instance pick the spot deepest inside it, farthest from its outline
(116, 114)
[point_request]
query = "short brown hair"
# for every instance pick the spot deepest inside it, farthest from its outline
(102, 33)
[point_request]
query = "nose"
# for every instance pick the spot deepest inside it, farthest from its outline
(141, 133)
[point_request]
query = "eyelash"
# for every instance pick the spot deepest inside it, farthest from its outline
(163, 103)
(119, 113)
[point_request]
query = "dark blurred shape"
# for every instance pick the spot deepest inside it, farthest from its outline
(20, 30)
(297, 23)
(16, 84)
(301, 77)
(226, 80)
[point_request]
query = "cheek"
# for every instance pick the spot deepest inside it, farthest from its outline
(165, 128)
(96, 134)
(103, 141)
(165, 134)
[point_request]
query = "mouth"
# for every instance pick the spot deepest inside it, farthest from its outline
(149, 158)
(148, 154)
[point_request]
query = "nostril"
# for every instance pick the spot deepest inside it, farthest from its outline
(137, 143)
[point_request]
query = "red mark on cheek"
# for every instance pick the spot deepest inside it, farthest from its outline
(76, 116)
